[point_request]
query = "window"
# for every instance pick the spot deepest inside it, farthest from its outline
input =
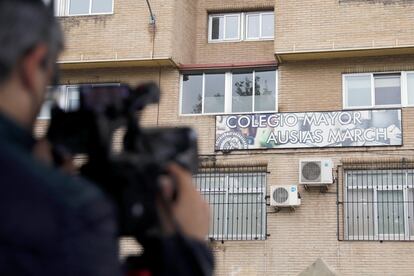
(72, 98)
(237, 201)
(57, 6)
(253, 26)
(66, 96)
(358, 91)
(242, 92)
(259, 26)
(265, 91)
(214, 93)
(78, 7)
(192, 94)
(387, 89)
(370, 90)
(47, 105)
(379, 204)
(217, 27)
(225, 27)
(239, 91)
(230, 27)
(83, 7)
(410, 88)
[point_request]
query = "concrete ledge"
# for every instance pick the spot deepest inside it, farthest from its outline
(343, 53)
(116, 63)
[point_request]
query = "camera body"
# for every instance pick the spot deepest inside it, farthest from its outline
(130, 177)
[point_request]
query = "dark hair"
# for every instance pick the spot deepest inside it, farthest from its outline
(23, 25)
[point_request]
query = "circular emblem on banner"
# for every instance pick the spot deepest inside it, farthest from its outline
(231, 141)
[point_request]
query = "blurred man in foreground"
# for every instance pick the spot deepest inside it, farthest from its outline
(50, 222)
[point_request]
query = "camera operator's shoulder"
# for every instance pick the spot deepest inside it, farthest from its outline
(66, 221)
(75, 196)
(78, 195)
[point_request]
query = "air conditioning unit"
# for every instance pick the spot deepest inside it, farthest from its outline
(284, 196)
(315, 172)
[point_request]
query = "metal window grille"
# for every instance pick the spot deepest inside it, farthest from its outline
(376, 202)
(236, 195)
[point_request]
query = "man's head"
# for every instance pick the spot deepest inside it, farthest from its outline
(30, 41)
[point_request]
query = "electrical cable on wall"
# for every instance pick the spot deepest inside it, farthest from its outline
(153, 28)
(152, 16)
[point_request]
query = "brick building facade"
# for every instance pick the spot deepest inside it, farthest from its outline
(325, 56)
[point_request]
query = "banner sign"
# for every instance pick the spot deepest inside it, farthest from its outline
(357, 128)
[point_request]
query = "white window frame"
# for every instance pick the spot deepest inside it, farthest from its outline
(345, 90)
(64, 9)
(40, 117)
(224, 39)
(58, 8)
(260, 37)
(67, 96)
(242, 26)
(403, 88)
(376, 236)
(59, 96)
(243, 191)
(228, 95)
(63, 96)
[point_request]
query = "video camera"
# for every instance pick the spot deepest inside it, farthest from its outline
(130, 177)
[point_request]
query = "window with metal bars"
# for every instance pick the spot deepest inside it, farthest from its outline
(237, 201)
(378, 204)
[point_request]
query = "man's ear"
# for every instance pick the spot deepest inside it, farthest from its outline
(32, 63)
